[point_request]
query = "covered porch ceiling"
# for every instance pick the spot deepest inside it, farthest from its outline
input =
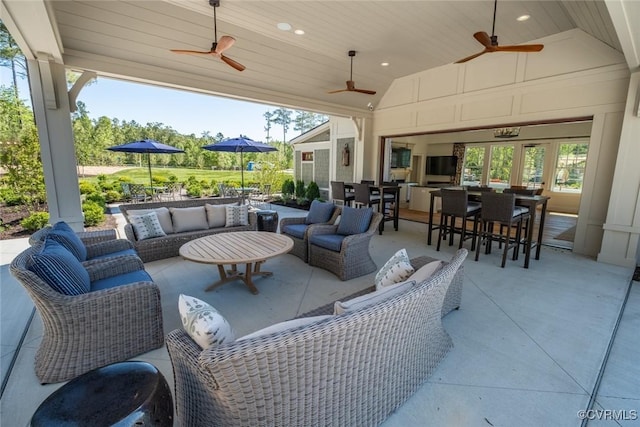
(130, 39)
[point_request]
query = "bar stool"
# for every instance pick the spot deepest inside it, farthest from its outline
(339, 194)
(455, 204)
(500, 208)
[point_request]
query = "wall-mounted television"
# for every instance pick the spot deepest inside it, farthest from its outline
(400, 157)
(442, 165)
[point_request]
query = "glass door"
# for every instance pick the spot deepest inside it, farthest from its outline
(533, 170)
(500, 166)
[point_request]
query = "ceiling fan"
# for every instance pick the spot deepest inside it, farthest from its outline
(351, 86)
(218, 46)
(491, 43)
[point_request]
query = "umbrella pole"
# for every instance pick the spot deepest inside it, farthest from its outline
(149, 166)
(242, 175)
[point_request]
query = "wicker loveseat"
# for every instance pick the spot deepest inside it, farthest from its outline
(168, 246)
(352, 369)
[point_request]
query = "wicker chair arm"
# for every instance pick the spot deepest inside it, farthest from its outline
(97, 236)
(109, 267)
(108, 247)
(321, 229)
(128, 231)
(290, 221)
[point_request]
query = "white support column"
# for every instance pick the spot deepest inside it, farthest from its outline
(622, 227)
(53, 119)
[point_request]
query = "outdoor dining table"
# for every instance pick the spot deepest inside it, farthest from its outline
(384, 189)
(531, 202)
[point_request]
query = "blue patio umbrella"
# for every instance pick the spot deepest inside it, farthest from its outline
(240, 145)
(148, 146)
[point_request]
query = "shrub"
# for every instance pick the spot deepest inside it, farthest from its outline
(288, 188)
(192, 180)
(97, 198)
(313, 192)
(93, 213)
(35, 221)
(172, 178)
(300, 189)
(194, 190)
(10, 197)
(87, 188)
(112, 196)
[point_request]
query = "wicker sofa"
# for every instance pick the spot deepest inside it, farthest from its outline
(352, 369)
(168, 246)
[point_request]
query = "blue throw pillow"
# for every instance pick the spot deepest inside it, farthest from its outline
(60, 269)
(319, 212)
(63, 234)
(354, 221)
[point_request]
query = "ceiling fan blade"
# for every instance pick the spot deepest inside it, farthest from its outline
(521, 48)
(469, 58)
(224, 43)
(368, 92)
(238, 66)
(339, 90)
(483, 38)
(198, 52)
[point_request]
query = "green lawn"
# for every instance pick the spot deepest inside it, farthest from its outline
(141, 175)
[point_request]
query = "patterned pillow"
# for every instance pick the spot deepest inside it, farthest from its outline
(371, 298)
(217, 214)
(397, 269)
(60, 269)
(354, 221)
(319, 212)
(164, 216)
(189, 219)
(146, 226)
(63, 234)
(237, 216)
(203, 323)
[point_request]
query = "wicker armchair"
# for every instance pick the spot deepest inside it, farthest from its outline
(301, 245)
(353, 259)
(87, 331)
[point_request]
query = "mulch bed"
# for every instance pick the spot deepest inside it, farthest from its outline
(11, 216)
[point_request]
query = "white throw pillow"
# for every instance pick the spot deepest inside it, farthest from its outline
(203, 323)
(217, 214)
(396, 270)
(164, 216)
(146, 226)
(237, 216)
(372, 297)
(283, 326)
(189, 219)
(426, 271)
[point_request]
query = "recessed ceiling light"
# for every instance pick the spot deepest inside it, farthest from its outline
(284, 26)
(299, 32)
(385, 64)
(523, 18)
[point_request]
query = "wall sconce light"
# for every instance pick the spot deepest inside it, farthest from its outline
(506, 132)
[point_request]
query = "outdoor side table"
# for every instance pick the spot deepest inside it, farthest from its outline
(267, 220)
(121, 394)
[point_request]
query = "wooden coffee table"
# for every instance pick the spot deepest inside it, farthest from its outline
(251, 248)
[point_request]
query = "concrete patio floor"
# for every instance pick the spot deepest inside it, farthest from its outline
(529, 344)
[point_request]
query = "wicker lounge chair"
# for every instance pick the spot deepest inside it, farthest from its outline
(352, 259)
(94, 329)
(87, 237)
(301, 244)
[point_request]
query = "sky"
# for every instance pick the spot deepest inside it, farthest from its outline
(186, 112)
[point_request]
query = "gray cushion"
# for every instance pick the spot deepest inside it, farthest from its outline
(319, 212)
(63, 234)
(354, 221)
(333, 242)
(60, 269)
(189, 219)
(295, 230)
(217, 214)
